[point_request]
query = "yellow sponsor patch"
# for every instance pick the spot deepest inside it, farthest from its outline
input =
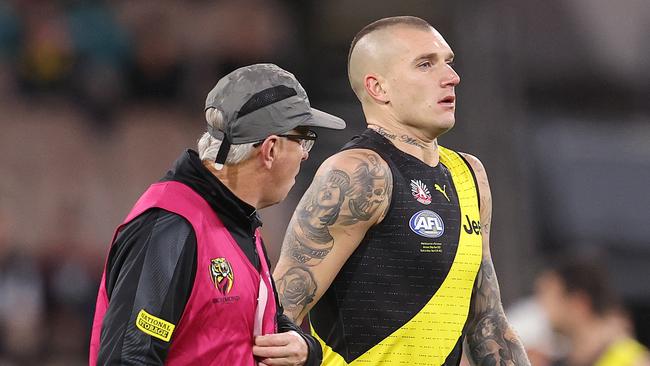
(154, 326)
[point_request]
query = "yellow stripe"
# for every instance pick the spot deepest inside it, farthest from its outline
(627, 352)
(430, 336)
(330, 357)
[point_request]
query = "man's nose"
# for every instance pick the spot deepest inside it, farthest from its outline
(452, 79)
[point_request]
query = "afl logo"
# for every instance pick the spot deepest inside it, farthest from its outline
(428, 224)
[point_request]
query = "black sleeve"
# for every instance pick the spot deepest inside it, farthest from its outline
(151, 266)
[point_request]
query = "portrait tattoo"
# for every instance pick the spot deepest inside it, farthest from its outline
(310, 241)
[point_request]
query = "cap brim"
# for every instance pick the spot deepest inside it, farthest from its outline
(325, 120)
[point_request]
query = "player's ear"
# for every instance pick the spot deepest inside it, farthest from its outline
(375, 87)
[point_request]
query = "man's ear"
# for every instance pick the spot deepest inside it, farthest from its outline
(375, 87)
(268, 151)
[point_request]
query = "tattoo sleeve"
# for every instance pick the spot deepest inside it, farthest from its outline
(308, 240)
(337, 197)
(490, 339)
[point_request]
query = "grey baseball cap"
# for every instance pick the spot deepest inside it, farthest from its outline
(262, 100)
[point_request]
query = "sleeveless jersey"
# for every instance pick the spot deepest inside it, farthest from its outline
(403, 296)
(230, 302)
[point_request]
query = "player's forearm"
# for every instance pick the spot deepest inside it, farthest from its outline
(490, 339)
(500, 348)
(296, 290)
(295, 279)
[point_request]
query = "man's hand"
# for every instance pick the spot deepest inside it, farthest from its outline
(281, 349)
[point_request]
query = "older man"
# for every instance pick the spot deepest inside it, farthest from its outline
(187, 278)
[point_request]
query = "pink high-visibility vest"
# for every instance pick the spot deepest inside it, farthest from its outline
(230, 302)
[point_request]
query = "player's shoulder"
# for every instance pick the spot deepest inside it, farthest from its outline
(474, 163)
(352, 159)
(481, 178)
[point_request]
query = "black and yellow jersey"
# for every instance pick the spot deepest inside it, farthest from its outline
(403, 296)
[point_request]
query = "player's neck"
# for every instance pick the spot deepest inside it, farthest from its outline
(409, 142)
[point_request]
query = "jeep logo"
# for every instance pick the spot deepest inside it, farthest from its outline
(472, 226)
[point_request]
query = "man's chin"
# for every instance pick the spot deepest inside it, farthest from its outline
(442, 128)
(448, 124)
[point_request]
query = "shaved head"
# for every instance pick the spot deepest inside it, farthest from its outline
(374, 46)
(400, 69)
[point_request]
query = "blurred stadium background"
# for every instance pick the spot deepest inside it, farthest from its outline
(98, 98)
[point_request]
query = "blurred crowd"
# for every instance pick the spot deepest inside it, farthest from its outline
(45, 302)
(103, 54)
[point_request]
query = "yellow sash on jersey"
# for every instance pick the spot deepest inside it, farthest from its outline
(627, 352)
(430, 336)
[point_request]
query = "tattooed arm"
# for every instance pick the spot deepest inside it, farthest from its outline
(350, 193)
(490, 340)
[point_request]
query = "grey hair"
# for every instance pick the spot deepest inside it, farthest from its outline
(208, 146)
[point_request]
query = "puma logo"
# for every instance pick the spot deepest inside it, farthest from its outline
(441, 190)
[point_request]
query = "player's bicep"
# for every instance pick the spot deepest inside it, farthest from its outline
(349, 194)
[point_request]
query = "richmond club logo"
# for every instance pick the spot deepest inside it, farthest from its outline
(221, 273)
(420, 191)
